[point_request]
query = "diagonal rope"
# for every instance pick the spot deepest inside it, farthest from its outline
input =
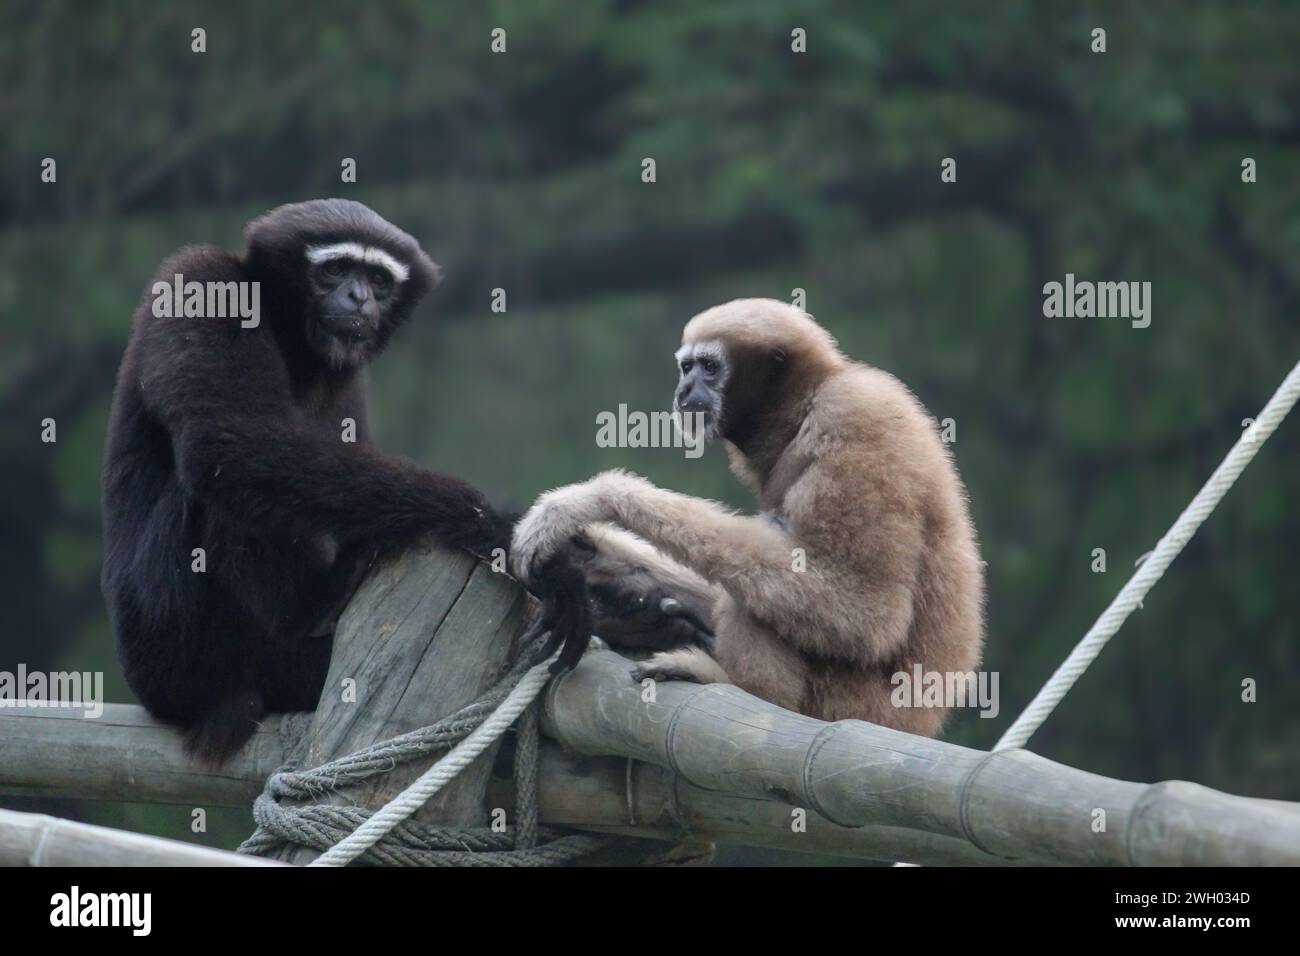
(440, 774)
(1151, 570)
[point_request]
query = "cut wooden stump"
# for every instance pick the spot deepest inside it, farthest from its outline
(427, 632)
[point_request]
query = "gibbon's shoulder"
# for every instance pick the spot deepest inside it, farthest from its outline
(160, 332)
(202, 263)
(866, 421)
(196, 263)
(859, 400)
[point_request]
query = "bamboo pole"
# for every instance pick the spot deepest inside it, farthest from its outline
(1011, 804)
(1023, 807)
(625, 797)
(124, 754)
(34, 839)
(39, 757)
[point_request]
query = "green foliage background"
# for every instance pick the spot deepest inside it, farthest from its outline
(775, 171)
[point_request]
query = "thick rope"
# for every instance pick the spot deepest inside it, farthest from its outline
(441, 773)
(1151, 570)
(385, 838)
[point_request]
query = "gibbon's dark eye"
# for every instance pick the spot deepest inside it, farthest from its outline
(686, 365)
(381, 280)
(333, 268)
(709, 365)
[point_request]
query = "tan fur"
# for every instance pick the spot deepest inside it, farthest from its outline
(854, 466)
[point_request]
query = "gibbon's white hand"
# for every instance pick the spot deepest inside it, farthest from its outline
(558, 515)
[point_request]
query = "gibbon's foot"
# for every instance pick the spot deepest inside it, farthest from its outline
(649, 619)
(686, 663)
(566, 613)
(640, 598)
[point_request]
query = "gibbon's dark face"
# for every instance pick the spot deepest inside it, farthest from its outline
(726, 388)
(703, 372)
(352, 291)
(338, 277)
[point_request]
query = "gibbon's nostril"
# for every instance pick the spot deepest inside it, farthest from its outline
(688, 400)
(358, 292)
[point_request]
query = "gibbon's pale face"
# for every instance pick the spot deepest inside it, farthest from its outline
(697, 404)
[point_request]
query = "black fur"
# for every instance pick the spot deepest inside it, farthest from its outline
(229, 439)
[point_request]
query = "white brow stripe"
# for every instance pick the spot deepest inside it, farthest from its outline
(354, 250)
(710, 348)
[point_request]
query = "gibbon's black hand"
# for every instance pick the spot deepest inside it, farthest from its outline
(566, 612)
(646, 618)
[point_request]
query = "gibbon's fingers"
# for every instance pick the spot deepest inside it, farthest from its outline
(640, 597)
(551, 524)
(543, 626)
(675, 608)
(646, 620)
(686, 663)
(565, 612)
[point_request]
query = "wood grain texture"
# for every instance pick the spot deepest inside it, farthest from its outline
(125, 754)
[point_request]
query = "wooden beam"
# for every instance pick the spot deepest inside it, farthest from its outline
(34, 839)
(125, 754)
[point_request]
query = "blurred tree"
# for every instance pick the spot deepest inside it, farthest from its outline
(775, 170)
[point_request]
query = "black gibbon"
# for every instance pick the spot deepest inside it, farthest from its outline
(862, 564)
(247, 438)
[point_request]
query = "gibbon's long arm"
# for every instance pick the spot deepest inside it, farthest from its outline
(749, 557)
(247, 450)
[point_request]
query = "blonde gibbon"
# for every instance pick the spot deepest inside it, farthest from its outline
(861, 565)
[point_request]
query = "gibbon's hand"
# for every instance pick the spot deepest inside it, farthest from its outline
(625, 614)
(566, 612)
(558, 515)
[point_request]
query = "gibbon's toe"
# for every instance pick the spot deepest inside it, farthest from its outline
(686, 663)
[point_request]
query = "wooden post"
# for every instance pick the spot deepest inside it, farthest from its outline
(427, 633)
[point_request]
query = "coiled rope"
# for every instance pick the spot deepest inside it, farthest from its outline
(384, 837)
(1153, 568)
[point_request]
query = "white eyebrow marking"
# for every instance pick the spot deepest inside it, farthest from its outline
(709, 349)
(372, 255)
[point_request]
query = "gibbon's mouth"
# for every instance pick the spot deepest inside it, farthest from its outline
(348, 324)
(692, 417)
